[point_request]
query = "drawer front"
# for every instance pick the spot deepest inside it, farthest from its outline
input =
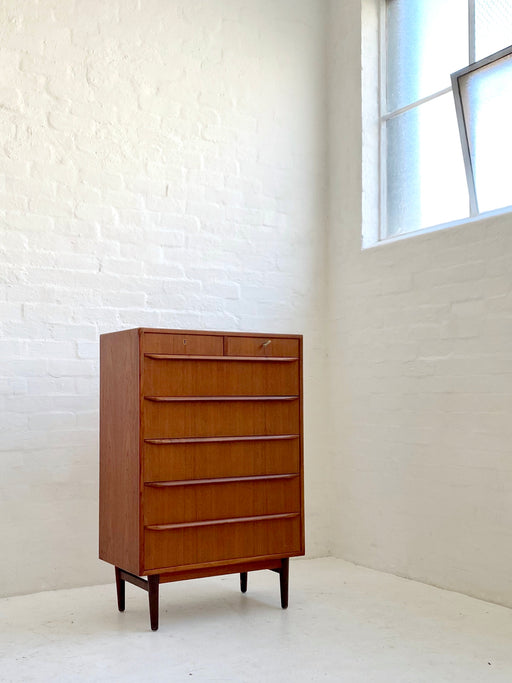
(183, 344)
(262, 346)
(196, 545)
(180, 419)
(204, 460)
(200, 502)
(164, 377)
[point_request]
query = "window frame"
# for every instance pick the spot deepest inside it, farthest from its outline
(461, 121)
(384, 115)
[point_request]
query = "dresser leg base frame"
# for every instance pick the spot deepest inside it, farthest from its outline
(283, 581)
(151, 585)
(284, 573)
(120, 586)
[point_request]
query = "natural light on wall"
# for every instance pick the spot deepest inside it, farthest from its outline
(423, 175)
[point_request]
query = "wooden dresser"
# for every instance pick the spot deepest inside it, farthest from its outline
(200, 456)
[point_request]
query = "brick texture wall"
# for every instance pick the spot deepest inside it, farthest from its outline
(161, 164)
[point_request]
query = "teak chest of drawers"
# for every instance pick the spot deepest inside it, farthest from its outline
(200, 456)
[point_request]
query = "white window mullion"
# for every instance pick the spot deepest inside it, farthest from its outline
(412, 105)
(383, 37)
(471, 31)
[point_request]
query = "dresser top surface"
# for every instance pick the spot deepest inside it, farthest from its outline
(153, 330)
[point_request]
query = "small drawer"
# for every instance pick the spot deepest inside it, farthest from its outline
(200, 544)
(262, 346)
(183, 344)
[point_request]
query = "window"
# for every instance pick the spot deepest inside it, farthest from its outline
(483, 100)
(422, 164)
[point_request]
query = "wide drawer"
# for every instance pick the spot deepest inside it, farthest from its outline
(167, 502)
(200, 459)
(225, 376)
(261, 346)
(183, 344)
(202, 418)
(226, 541)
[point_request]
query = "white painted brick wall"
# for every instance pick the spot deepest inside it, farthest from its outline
(421, 377)
(161, 164)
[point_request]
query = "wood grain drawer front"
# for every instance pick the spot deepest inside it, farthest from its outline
(165, 504)
(206, 459)
(261, 346)
(201, 544)
(203, 418)
(183, 344)
(175, 377)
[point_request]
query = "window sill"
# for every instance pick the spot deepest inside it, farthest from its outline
(470, 220)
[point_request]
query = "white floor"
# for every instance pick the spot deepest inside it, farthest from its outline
(344, 623)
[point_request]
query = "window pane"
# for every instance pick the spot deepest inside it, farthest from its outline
(426, 42)
(426, 183)
(486, 96)
(493, 26)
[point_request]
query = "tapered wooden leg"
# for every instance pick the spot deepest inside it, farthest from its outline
(153, 586)
(243, 582)
(120, 585)
(283, 581)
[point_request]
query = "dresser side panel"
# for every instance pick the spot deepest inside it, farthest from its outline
(119, 529)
